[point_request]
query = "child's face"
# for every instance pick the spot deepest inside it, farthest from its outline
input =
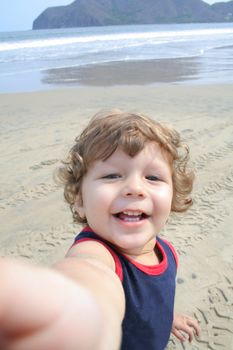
(128, 200)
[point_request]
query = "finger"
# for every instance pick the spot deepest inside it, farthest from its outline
(189, 331)
(190, 334)
(178, 335)
(194, 324)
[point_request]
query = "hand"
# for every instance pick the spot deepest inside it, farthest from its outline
(42, 309)
(185, 325)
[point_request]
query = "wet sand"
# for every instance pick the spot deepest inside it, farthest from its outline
(126, 73)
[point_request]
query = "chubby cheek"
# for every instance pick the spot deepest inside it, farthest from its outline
(96, 202)
(163, 200)
(161, 214)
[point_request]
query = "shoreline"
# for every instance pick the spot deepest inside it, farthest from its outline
(38, 128)
(175, 71)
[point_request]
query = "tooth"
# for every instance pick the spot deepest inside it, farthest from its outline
(136, 219)
(132, 219)
(133, 213)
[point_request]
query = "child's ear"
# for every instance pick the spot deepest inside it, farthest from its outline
(78, 206)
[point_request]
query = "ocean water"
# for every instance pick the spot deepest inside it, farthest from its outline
(26, 56)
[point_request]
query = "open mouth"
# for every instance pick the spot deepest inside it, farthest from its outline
(131, 216)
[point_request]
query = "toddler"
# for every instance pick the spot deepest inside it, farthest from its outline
(115, 289)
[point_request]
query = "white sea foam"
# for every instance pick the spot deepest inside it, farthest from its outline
(121, 37)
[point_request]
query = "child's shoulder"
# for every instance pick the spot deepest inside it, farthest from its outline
(90, 248)
(165, 243)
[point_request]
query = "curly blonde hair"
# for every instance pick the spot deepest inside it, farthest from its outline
(130, 132)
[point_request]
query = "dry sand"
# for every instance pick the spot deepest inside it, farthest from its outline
(38, 128)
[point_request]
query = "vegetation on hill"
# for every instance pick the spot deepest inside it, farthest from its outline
(85, 13)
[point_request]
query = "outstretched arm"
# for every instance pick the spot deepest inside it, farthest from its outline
(184, 326)
(43, 308)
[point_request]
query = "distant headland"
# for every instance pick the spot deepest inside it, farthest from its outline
(86, 13)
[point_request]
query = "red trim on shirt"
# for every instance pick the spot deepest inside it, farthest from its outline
(148, 269)
(173, 251)
(118, 266)
(152, 269)
(87, 229)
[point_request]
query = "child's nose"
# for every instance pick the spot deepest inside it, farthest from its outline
(133, 188)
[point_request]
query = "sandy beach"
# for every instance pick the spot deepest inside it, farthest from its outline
(37, 129)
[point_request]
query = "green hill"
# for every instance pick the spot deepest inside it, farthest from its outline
(84, 13)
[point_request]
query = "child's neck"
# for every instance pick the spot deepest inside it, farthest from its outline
(148, 256)
(149, 259)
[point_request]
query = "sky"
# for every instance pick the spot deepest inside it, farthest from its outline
(19, 14)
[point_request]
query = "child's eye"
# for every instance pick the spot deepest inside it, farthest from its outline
(111, 176)
(152, 178)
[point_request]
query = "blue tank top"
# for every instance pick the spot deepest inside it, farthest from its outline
(149, 293)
